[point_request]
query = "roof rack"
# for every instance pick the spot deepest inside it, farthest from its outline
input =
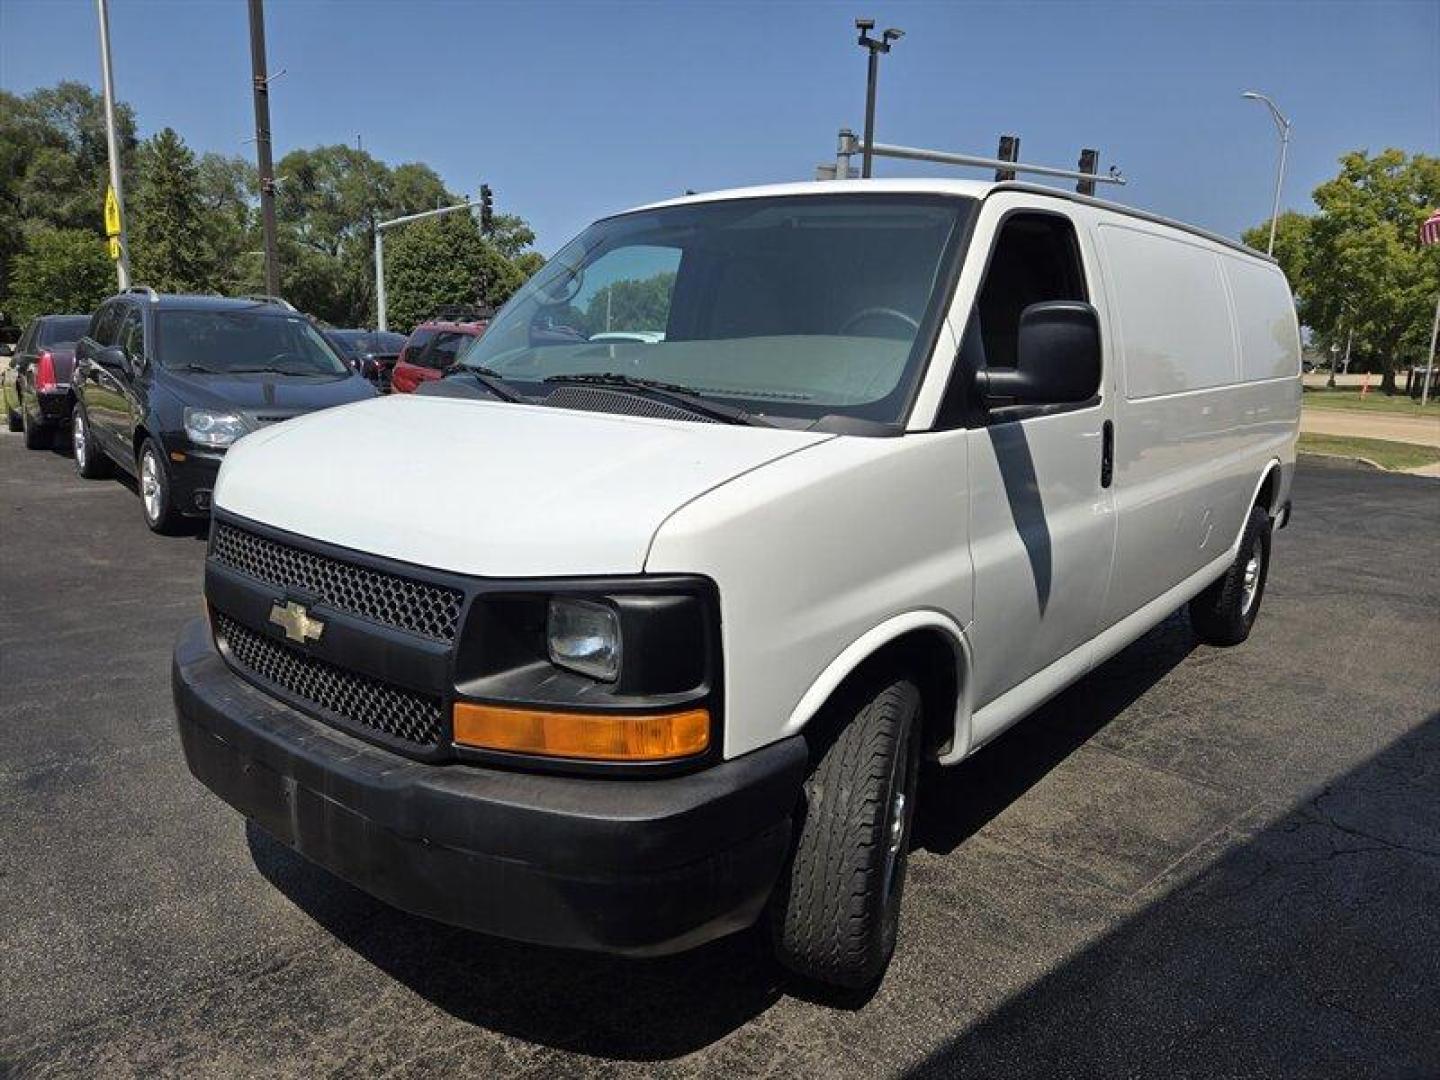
(463, 313)
(265, 298)
(144, 290)
(1006, 167)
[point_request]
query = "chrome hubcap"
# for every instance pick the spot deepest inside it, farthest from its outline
(1250, 582)
(150, 486)
(78, 438)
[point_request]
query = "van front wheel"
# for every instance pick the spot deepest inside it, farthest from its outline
(836, 908)
(1224, 613)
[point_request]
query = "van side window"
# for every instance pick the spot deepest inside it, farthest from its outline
(1036, 259)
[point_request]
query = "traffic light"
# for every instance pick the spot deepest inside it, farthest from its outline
(487, 208)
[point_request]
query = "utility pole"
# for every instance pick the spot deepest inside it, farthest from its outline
(262, 145)
(876, 46)
(120, 243)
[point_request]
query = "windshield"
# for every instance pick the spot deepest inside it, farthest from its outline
(355, 343)
(234, 342)
(58, 331)
(802, 306)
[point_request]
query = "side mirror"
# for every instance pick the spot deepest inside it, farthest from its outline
(1057, 357)
(113, 358)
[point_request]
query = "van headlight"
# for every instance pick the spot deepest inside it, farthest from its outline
(584, 636)
(206, 427)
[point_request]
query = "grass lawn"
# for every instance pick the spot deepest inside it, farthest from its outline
(1349, 398)
(1390, 455)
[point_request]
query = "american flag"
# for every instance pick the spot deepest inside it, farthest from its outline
(1430, 231)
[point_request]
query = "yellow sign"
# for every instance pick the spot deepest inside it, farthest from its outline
(112, 218)
(115, 248)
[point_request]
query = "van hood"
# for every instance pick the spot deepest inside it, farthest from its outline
(487, 488)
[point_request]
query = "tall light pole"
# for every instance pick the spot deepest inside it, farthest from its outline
(112, 145)
(1283, 127)
(876, 46)
(262, 145)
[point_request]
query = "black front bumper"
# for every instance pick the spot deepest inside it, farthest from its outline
(192, 480)
(639, 867)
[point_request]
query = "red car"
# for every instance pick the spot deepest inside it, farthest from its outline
(433, 347)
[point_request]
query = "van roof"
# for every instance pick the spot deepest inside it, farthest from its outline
(973, 189)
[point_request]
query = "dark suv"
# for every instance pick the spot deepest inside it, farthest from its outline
(164, 384)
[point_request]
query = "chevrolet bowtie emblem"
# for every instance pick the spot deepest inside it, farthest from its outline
(296, 622)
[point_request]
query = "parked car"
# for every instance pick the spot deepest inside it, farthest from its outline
(373, 353)
(165, 384)
(650, 638)
(35, 386)
(433, 347)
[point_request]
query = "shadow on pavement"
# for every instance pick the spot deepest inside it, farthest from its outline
(956, 802)
(631, 1010)
(649, 1010)
(1306, 950)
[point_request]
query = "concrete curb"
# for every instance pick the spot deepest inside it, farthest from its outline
(1348, 461)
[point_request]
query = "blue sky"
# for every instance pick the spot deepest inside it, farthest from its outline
(572, 110)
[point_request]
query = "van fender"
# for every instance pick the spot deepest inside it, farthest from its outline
(1271, 466)
(871, 642)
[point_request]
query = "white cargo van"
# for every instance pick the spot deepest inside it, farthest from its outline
(743, 506)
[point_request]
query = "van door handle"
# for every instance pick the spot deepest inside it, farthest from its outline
(1107, 454)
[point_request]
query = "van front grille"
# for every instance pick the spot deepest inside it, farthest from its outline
(394, 711)
(417, 607)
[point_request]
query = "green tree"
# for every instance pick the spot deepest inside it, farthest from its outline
(636, 304)
(167, 229)
(327, 203)
(61, 270)
(54, 165)
(1292, 238)
(1357, 266)
(434, 263)
(228, 189)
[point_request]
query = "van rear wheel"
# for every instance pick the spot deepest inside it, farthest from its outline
(836, 909)
(1224, 613)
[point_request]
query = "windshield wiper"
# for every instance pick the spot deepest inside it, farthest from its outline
(194, 367)
(491, 380)
(683, 396)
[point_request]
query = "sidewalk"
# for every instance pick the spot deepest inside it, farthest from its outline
(1422, 430)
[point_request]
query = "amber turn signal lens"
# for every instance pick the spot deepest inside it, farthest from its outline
(598, 737)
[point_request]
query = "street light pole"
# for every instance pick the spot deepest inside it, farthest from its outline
(262, 145)
(380, 227)
(112, 144)
(876, 46)
(1282, 125)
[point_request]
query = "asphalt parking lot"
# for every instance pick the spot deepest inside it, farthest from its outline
(1195, 862)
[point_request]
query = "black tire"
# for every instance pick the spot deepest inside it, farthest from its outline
(1224, 613)
(90, 461)
(836, 908)
(38, 436)
(12, 420)
(163, 517)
